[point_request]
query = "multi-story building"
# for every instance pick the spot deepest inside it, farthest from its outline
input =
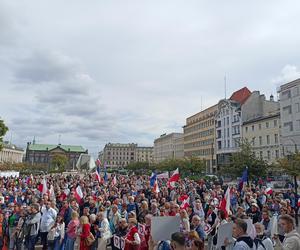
(144, 154)
(42, 154)
(168, 146)
(119, 154)
(11, 153)
(229, 125)
(289, 99)
(261, 126)
(199, 137)
(264, 133)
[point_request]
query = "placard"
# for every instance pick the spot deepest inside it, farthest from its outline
(224, 231)
(162, 227)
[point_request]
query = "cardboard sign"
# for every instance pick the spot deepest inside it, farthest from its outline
(163, 227)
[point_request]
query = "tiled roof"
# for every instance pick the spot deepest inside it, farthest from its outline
(43, 147)
(241, 95)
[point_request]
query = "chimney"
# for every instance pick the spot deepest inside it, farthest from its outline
(271, 98)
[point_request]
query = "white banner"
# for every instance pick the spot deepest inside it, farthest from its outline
(163, 175)
(9, 174)
(163, 227)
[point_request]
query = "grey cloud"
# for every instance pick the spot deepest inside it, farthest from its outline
(45, 66)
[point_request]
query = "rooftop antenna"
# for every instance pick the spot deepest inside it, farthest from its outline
(225, 86)
(201, 103)
(33, 142)
(59, 137)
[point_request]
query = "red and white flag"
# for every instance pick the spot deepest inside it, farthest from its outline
(78, 194)
(298, 202)
(173, 179)
(97, 174)
(185, 203)
(225, 203)
(114, 181)
(268, 190)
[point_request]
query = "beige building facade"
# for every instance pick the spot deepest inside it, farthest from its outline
(144, 154)
(11, 154)
(199, 137)
(264, 135)
(168, 146)
(116, 155)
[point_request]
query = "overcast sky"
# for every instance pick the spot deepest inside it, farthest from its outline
(127, 71)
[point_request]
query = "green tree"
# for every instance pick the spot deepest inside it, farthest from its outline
(3, 130)
(59, 162)
(138, 167)
(245, 158)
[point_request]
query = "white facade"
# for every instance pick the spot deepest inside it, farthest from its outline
(144, 154)
(168, 147)
(11, 154)
(289, 99)
(228, 130)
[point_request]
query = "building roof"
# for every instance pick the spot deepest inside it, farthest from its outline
(289, 85)
(8, 145)
(241, 95)
(45, 147)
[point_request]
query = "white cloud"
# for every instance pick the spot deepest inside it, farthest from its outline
(288, 73)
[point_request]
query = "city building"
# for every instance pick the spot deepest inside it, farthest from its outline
(264, 135)
(168, 146)
(261, 126)
(119, 154)
(11, 153)
(229, 125)
(42, 154)
(199, 137)
(144, 154)
(289, 99)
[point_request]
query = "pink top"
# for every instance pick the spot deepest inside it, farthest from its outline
(72, 228)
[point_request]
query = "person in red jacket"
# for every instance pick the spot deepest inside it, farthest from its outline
(132, 239)
(85, 232)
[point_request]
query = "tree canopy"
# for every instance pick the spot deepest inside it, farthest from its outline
(290, 164)
(3, 130)
(59, 162)
(245, 158)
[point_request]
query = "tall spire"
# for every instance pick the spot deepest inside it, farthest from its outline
(33, 141)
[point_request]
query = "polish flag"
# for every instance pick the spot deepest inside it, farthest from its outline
(185, 203)
(114, 181)
(268, 190)
(173, 179)
(98, 162)
(225, 203)
(78, 194)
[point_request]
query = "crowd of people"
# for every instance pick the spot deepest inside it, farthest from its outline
(79, 212)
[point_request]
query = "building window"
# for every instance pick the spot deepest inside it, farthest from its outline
(297, 106)
(253, 141)
(259, 126)
(228, 132)
(276, 138)
(288, 125)
(246, 129)
(287, 109)
(277, 153)
(252, 127)
(228, 144)
(227, 120)
(286, 94)
(260, 140)
(269, 154)
(219, 145)
(261, 154)
(268, 139)
(267, 124)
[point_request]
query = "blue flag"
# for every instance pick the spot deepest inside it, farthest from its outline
(243, 179)
(152, 179)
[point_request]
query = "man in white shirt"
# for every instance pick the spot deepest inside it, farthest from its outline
(48, 218)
